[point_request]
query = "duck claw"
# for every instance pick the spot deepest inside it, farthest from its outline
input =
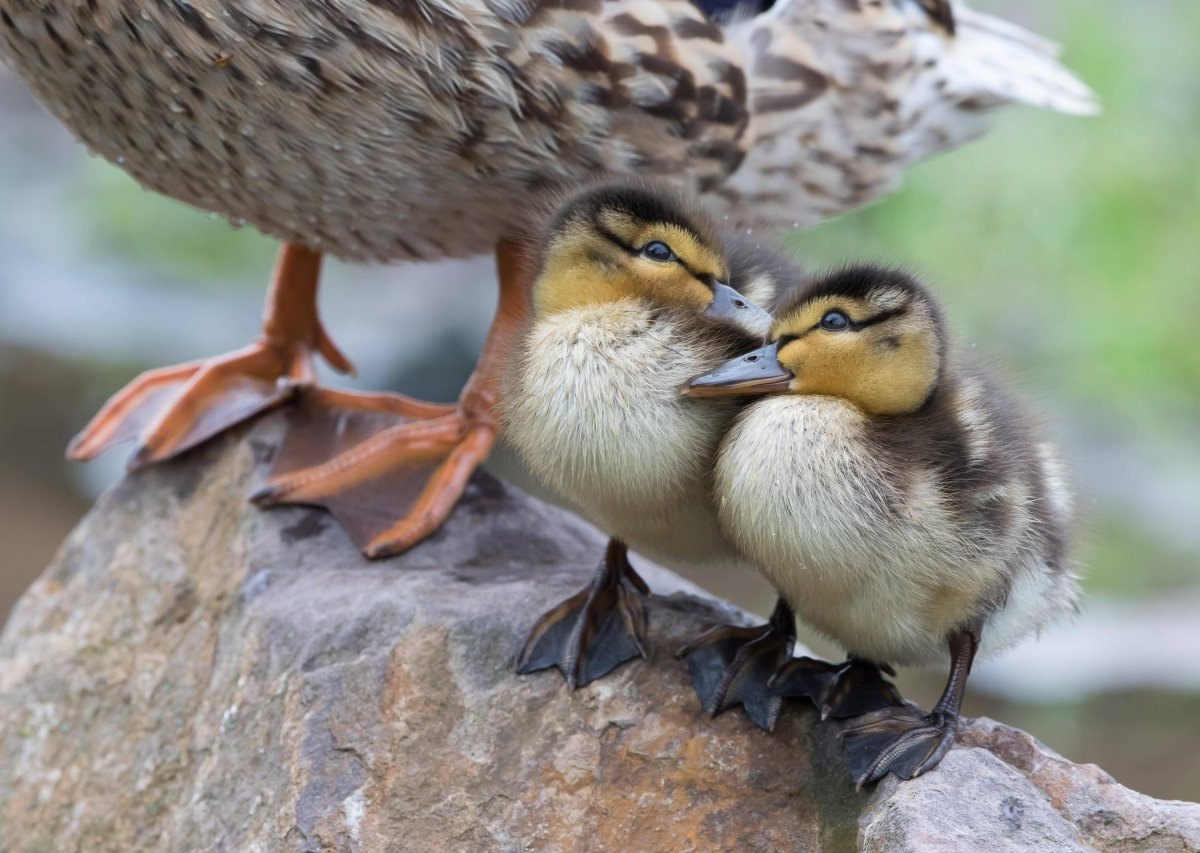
(390, 469)
(904, 741)
(173, 409)
(168, 411)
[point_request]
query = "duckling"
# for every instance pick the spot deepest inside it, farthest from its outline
(898, 500)
(410, 131)
(635, 291)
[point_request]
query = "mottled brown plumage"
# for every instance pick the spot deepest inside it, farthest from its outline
(384, 130)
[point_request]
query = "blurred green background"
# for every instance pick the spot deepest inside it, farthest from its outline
(1066, 250)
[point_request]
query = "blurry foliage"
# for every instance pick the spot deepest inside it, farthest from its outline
(187, 244)
(1122, 559)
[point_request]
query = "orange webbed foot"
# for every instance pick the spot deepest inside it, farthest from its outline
(173, 409)
(390, 469)
(170, 410)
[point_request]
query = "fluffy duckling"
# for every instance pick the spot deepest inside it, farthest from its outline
(895, 497)
(635, 292)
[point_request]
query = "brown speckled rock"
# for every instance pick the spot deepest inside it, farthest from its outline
(194, 674)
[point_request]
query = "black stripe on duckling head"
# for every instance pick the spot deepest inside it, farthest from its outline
(870, 283)
(878, 293)
(870, 334)
(631, 239)
(639, 201)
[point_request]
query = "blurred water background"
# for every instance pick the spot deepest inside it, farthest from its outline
(1066, 250)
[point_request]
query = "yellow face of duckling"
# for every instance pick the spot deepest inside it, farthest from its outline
(635, 241)
(868, 335)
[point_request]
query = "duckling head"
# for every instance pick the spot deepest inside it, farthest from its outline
(626, 240)
(870, 335)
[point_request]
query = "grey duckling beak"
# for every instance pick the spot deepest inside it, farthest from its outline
(730, 308)
(757, 372)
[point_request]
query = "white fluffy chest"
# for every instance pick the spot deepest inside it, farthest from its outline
(797, 485)
(864, 555)
(598, 415)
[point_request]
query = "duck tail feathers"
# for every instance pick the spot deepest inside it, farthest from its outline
(995, 62)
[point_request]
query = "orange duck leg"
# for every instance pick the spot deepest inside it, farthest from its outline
(172, 409)
(389, 468)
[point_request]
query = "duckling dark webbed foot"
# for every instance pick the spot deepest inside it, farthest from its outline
(595, 631)
(839, 690)
(733, 666)
(903, 740)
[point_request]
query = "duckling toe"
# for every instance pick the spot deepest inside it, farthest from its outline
(902, 741)
(731, 665)
(592, 632)
(848, 689)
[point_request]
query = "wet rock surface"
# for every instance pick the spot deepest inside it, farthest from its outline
(194, 674)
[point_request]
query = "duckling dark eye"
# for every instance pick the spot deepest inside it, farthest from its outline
(835, 321)
(657, 250)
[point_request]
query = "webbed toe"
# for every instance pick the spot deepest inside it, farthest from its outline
(903, 741)
(594, 631)
(849, 689)
(731, 666)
